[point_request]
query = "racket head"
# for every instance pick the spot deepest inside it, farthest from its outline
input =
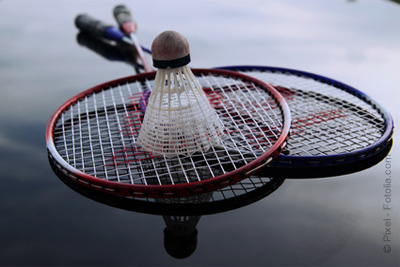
(360, 144)
(92, 137)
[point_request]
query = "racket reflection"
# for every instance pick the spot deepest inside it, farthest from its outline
(181, 215)
(113, 52)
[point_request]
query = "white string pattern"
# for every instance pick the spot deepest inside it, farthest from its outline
(98, 134)
(326, 120)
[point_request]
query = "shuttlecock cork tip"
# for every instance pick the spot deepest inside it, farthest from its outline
(170, 49)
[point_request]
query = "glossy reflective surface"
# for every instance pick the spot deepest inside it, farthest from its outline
(334, 221)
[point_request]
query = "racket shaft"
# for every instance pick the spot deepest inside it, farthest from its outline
(147, 67)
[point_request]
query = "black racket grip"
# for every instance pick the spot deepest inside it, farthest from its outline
(86, 23)
(122, 14)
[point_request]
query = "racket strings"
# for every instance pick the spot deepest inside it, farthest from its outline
(97, 134)
(308, 84)
(250, 113)
(326, 120)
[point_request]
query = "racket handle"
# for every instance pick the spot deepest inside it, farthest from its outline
(124, 18)
(99, 29)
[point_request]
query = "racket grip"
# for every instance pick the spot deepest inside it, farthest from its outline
(97, 28)
(124, 18)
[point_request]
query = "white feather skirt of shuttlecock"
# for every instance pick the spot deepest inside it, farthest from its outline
(179, 119)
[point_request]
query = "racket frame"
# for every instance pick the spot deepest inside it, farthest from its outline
(170, 190)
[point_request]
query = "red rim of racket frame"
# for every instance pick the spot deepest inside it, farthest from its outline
(172, 190)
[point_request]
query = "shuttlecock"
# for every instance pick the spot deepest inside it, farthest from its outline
(179, 119)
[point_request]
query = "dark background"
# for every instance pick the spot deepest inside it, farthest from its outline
(334, 221)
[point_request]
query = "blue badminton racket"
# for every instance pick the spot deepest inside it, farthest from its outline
(336, 129)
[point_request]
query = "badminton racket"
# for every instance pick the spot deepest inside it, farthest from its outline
(92, 137)
(336, 129)
(129, 126)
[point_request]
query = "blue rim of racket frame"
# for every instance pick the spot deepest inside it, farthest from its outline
(288, 166)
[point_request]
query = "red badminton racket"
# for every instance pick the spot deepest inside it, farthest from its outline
(92, 137)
